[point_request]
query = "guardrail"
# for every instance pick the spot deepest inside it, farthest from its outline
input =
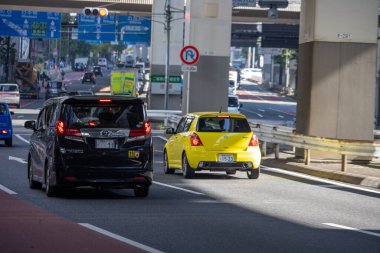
(280, 135)
(287, 136)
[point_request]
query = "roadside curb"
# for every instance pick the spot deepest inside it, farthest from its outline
(346, 177)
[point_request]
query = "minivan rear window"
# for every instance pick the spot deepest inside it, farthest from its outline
(98, 115)
(215, 124)
(8, 88)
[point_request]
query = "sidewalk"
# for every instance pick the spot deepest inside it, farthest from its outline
(357, 173)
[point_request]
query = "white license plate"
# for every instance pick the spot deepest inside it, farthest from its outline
(226, 158)
(105, 144)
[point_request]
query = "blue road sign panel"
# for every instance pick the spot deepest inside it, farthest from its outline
(100, 29)
(244, 3)
(134, 30)
(30, 24)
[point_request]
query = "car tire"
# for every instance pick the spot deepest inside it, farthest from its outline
(141, 191)
(253, 173)
(51, 191)
(187, 171)
(32, 184)
(18, 106)
(167, 170)
(9, 142)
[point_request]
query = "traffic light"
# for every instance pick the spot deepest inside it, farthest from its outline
(92, 11)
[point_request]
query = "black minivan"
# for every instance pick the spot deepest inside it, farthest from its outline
(98, 141)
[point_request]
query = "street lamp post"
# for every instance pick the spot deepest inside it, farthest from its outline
(167, 27)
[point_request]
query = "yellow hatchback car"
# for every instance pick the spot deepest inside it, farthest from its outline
(212, 141)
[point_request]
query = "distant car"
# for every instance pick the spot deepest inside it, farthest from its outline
(79, 66)
(55, 89)
(212, 141)
(254, 74)
(9, 93)
(234, 104)
(231, 87)
(96, 141)
(6, 129)
(89, 77)
(102, 62)
(97, 71)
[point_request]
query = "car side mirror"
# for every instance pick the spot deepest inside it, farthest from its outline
(241, 105)
(30, 124)
(12, 112)
(170, 131)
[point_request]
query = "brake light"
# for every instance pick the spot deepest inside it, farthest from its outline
(254, 141)
(145, 130)
(195, 140)
(105, 100)
(4, 131)
(63, 130)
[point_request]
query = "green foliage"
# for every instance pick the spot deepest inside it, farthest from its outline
(286, 55)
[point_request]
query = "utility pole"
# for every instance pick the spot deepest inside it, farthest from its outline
(168, 16)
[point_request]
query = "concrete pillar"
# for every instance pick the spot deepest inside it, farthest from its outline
(337, 69)
(156, 94)
(208, 27)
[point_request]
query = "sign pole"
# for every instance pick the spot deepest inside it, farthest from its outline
(168, 19)
(188, 93)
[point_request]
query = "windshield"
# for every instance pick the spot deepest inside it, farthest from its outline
(98, 115)
(233, 102)
(8, 88)
(216, 124)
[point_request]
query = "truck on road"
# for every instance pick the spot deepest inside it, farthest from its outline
(124, 82)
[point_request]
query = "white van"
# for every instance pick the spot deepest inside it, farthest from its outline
(10, 94)
(102, 62)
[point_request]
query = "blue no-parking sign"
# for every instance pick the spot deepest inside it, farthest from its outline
(30, 24)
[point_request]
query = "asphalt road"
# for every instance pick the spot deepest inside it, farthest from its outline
(213, 212)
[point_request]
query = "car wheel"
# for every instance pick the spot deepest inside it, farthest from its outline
(141, 191)
(253, 173)
(187, 171)
(51, 191)
(18, 106)
(167, 170)
(9, 142)
(32, 184)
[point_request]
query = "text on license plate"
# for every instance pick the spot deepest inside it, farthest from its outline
(226, 158)
(106, 144)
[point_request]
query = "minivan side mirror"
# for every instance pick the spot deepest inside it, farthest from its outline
(30, 124)
(170, 131)
(12, 112)
(241, 105)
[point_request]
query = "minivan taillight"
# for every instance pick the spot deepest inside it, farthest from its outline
(63, 130)
(195, 140)
(254, 141)
(145, 130)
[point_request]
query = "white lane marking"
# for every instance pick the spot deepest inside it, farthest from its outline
(258, 114)
(300, 175)
(7, 190)
(22, 138)
(280, 116)
(178, 188)
(17, 159)
(352, 229)
(261, 110)
(120, 238)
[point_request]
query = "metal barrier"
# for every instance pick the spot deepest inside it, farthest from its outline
(280, 135)
(287, 136)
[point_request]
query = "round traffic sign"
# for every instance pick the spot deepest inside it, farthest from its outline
(189, 55)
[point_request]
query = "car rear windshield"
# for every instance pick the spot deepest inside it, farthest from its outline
(233, 102)
(217, 124)
(8, 88)
(98, 115)
(88, 75)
